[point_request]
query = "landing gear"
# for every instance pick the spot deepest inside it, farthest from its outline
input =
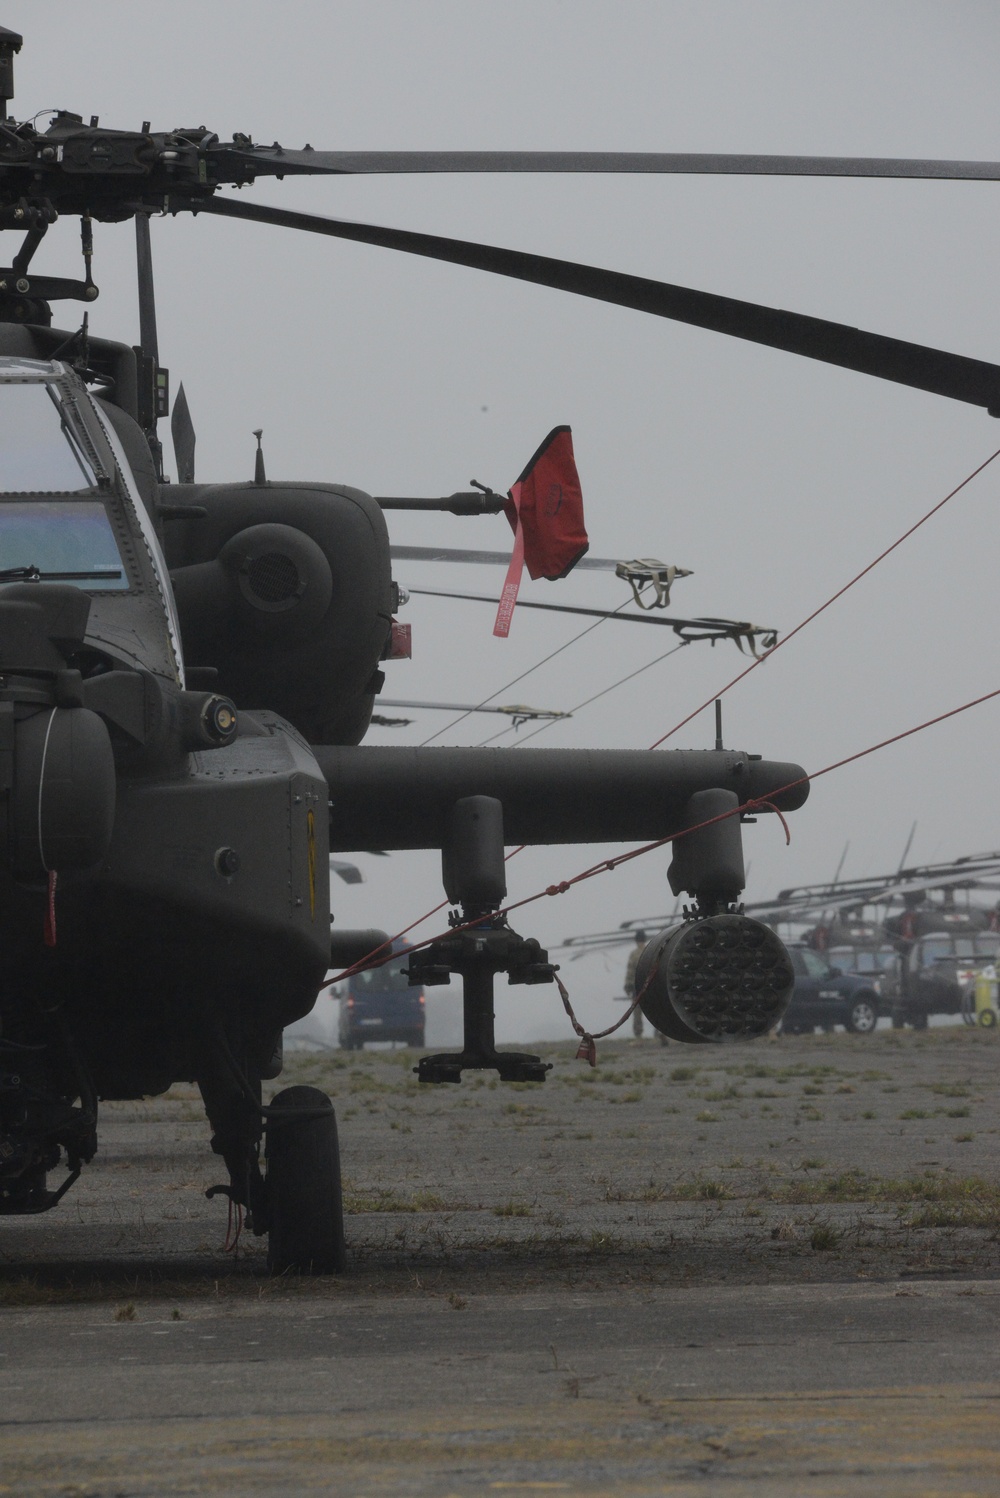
(305, 1206)
(482, 946)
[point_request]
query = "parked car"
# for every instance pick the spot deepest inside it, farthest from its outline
(825, 995)
(381, 1005)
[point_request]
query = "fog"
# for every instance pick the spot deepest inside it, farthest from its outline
(775, 479)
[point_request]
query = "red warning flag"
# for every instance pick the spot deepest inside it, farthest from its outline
(545, 510)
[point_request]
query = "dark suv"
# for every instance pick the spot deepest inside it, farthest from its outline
(825, 995)
(381, 1005)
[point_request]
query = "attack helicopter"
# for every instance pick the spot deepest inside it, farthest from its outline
(187, 672)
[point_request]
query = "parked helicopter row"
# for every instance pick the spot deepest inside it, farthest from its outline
(909, 945)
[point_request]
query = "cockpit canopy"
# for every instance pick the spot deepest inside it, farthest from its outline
(70, 512)
(40, 452)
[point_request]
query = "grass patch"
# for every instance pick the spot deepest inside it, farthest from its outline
(823, 1238)
(512, 1209)
(975, 1212)
(702, 1190)
(650, 1193)
(971, 1196)
(642, 1074)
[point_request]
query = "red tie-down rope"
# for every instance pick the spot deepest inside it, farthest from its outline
(831, 600)
(234, 1229)
(587, 1049)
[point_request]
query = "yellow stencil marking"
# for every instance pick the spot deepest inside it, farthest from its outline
(311, 834)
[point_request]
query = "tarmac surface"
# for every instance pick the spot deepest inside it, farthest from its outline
(769, 1269)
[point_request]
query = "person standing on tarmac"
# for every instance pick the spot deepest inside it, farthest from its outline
(633, 962)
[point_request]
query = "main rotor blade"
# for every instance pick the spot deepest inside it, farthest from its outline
(556, 608)
(491, 558)
(941, 373)
(713, 628)
(878, 891)
(276, 161)
(517, 711)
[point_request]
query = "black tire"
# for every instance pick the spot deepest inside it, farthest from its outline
(863, 1015)
(920, 1021)
(304, 1199)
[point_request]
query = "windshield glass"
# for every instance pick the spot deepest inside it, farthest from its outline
(60, 541)
(383, 979)
(38, 452)
(859, 960)
(939, 950)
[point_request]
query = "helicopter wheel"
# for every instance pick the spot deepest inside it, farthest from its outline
(304, 1197)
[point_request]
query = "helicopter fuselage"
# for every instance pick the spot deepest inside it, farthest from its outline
(167, 874)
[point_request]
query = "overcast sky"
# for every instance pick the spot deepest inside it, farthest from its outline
(774, 478)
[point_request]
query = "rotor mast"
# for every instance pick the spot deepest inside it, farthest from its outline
(154, 392)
